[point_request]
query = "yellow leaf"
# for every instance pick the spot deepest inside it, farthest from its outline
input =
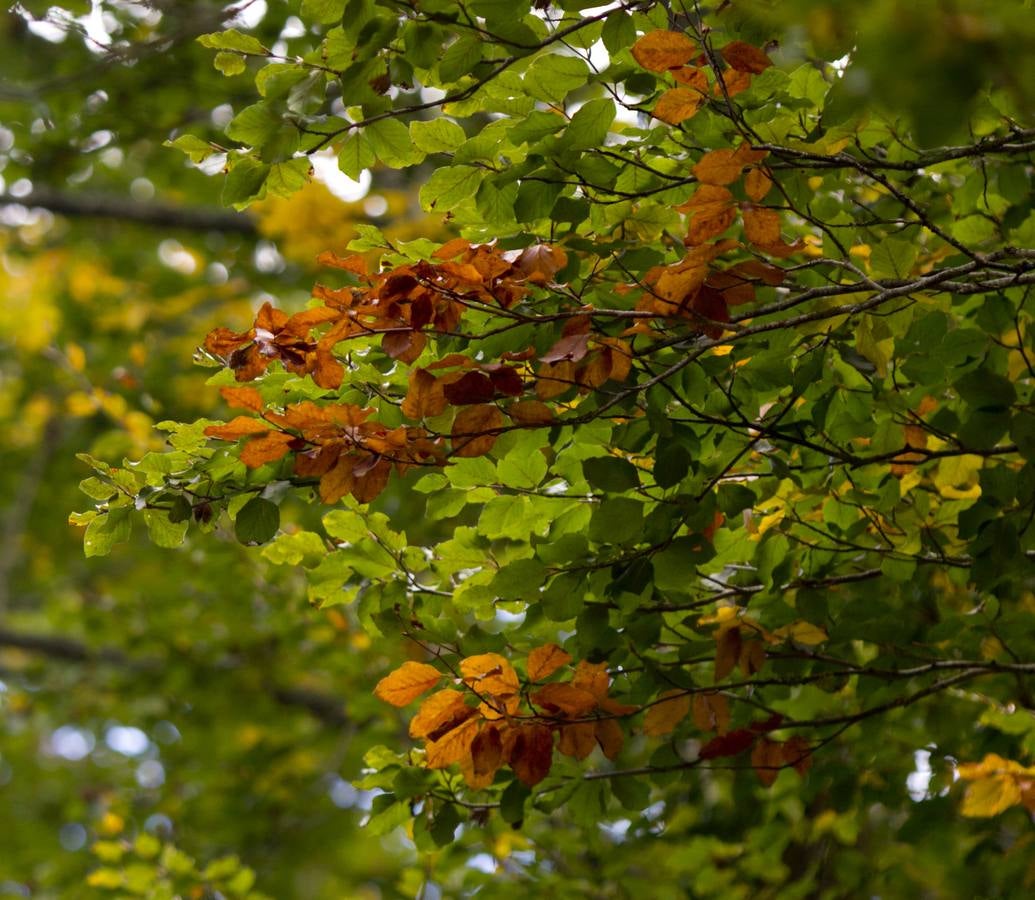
(801, 632)
(990, 796)
(407, 683)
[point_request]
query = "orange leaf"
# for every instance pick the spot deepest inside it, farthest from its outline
(745, 58)
(610, 737)
(452, 249)
(711, 712)
(530, 412)
(266, 448)
(532, 753)
(238, 427)
(486, 757)
(441, 712)
(473, 430)
(242, 398)
(545, 660)
(661, 50)
(767, 759)
(354, 263)
(553, 379)
(592, 677)
(563, 698)
(578, 739)
(761, 226)
(425, 396)
(724, 166)
(752, 657)
(453, 746)
(489, 673)
(692, 77)
(337, 481)
(677, 105)
(663, 717)
(407, 683)
(727, 652)
(757, 184)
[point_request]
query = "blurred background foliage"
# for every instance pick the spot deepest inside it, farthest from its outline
(194, 696)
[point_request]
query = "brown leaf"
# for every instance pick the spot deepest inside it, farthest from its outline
(610, 736)
(757, 184)
(354, 263)
(564, 698)
(530, 412)
(761, 225)
(407, 683)
(425, 396)
(711, 712)
(797, 752)
(453, 746)
(728, 744)
(554, 379)
(471, 387)
(661, 50)
(532, 753)
(441, 712)
(337, 481)
(474, 430)
(544, 661)
(238, 427)
(592, 677)
(489, 673)
(242, 398)
(452, 249)
(663, 717)
(727, 652)
(486, 757)
(745, 58)
(265, 449)
(724, 166)
(573, 347)
(578, 740)
(677, 105)
(692, 77)
(767, 760)
(752, 657)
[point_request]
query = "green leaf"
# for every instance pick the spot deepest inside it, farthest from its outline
(449, 186)
(245, 182)
(390, 140)
(323, 11)
(552, 77)
(609, 473)
(589, 126)
(229, 63)
(437, 136)
(356, 155)
(618, 520)
(195, 148)
(232, 39)
(162, 530)
(286, 178)
(257, 521)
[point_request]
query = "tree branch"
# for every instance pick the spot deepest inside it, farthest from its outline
(157, 214)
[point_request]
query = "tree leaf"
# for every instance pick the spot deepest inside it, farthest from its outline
(407, 683)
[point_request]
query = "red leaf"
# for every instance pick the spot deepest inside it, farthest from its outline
(730, 744)
(472, 387)
(532, 754)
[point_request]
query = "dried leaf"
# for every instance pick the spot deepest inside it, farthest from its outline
(797, 753)
(265, 449)
(761, 226)
(407, 683)
(661, 50)
(578, 740)
(425, 398)
(730, 744)
(752, 657)
(757, 184)
(592, 677)
(767, 759)
(532, 753)
(238, 427)
(453, 746)
(711, 712)
(489, 673)
(564, 698)
(530, 412)
(610, 737)
(544, 661)
(486, 757)
(474, 430)
(727, 652)
(663, 717)
(677, 105)
(471, 387)
(745, 58)
(242, 398)
(441, 712)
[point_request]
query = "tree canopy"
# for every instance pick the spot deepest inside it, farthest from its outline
(631, 493)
